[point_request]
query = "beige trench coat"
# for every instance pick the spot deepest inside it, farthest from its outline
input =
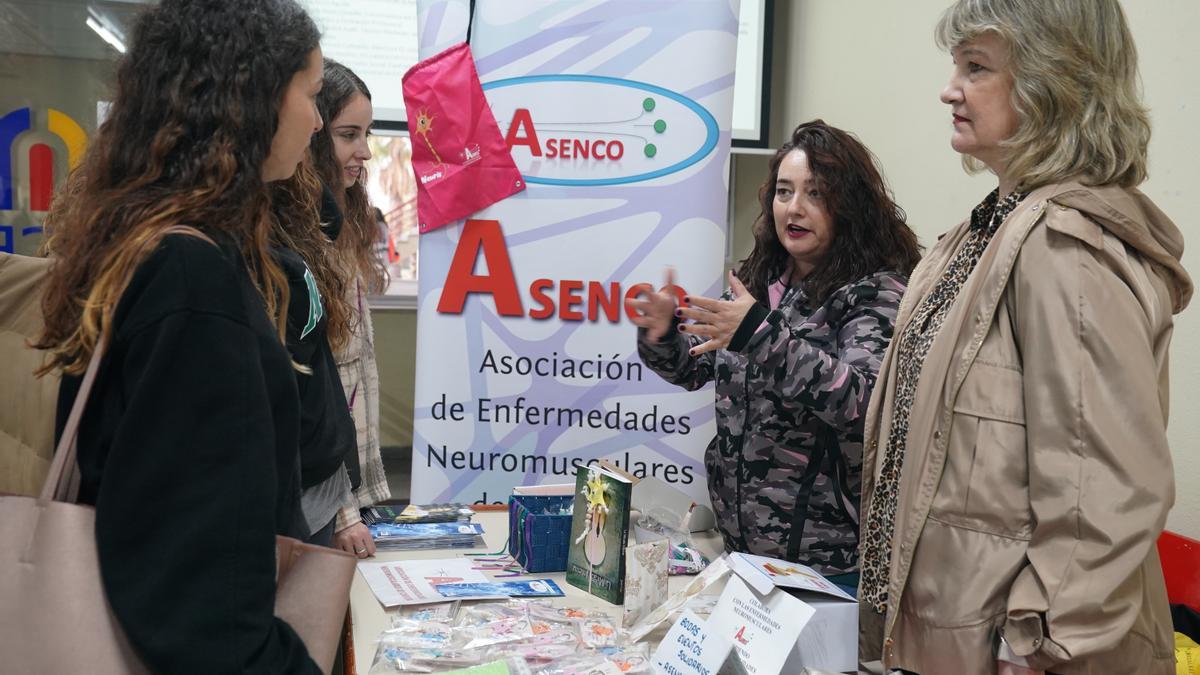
(1037, 475)
(27, 404)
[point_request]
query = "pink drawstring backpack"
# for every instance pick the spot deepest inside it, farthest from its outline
(459, 157)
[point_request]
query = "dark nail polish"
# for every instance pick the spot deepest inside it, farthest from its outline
(680, 328)
(679, 312)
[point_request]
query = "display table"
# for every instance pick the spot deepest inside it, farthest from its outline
(369, 618)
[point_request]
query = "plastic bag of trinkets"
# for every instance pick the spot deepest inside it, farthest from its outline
(494, 623)
(425, 648)
(441, 612)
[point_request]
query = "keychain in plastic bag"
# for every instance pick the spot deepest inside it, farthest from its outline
(445, 612)
(508, 629)
(599, 632)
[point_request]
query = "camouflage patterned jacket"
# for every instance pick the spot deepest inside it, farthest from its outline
(785, 469)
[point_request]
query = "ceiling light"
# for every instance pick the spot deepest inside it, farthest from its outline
(105, 33)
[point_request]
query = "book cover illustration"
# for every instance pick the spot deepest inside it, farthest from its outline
(394, 537)
(599, 533)
(380, 514)
(435, 513)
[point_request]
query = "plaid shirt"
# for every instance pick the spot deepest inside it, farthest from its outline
(360, 379)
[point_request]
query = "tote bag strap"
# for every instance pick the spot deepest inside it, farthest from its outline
(62, 481)
(62, 484)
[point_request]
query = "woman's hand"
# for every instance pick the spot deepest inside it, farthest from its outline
(355, 539)
(716, 320)
(655, 309)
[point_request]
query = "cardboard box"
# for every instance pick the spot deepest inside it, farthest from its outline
(830, 640)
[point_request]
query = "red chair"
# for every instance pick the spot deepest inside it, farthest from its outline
(1180, 558)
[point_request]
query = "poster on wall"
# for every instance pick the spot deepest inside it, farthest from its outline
(527, 361)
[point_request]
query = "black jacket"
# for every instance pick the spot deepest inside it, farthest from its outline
(188, 451)
(327, 435)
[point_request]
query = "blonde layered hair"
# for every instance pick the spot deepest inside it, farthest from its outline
(1075, 88)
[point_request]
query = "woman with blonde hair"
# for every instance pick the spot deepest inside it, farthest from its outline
(188, 444)
(1017, 470)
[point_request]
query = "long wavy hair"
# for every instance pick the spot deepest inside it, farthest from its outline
(869, 230)
(297, 226)
(195, 109)
(1075, 88)
(360, 233)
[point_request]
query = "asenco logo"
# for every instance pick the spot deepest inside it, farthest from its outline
(26, 160)
(588, 130)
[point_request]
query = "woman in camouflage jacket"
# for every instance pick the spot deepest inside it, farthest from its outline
(794, 371)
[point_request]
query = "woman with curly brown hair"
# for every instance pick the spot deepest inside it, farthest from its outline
(794, 347)
(188, 446)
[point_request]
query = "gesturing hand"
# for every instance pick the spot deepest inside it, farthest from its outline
(654, 309)
(716, 320)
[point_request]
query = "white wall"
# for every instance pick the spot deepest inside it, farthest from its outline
(872, 67)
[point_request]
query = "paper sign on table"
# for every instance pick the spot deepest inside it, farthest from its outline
(411, 582)
(690, 648)
(762, 630)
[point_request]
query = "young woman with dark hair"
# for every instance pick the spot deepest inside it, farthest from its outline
(339, 153)
(188, 447)
(794, 347)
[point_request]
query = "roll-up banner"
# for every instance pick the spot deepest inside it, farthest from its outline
(617, 114)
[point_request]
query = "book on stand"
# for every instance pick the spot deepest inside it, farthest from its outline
(599, 532)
